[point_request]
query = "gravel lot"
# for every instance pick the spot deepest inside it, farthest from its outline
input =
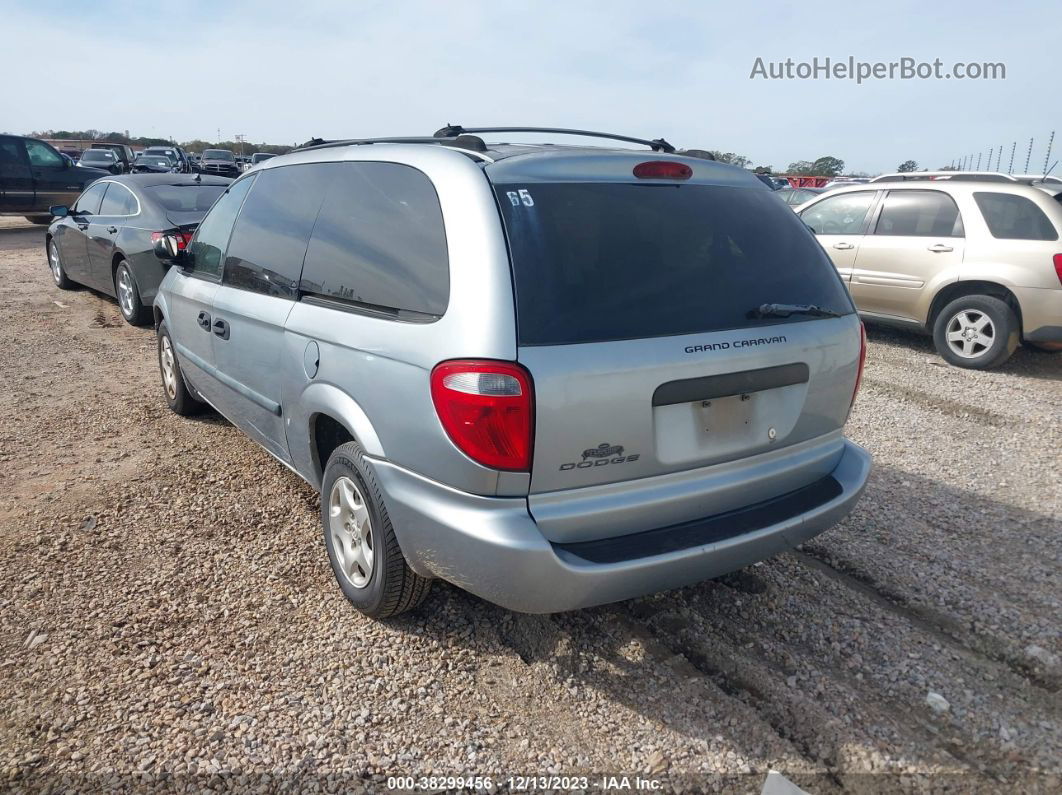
(167, 614)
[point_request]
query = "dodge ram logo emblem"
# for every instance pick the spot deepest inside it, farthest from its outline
(603, 450)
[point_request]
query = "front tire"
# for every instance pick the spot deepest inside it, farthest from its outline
(977, 332)
(55, 265)
(362, 548)
(128, 294)
(178, 397)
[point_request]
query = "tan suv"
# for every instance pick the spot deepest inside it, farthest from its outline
(976, 264)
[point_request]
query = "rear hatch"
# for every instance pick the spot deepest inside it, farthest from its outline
(637, 318)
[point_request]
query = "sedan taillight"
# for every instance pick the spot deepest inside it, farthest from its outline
(487, 409)
(1058, 267)
(183, 238)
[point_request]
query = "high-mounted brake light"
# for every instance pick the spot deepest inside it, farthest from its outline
(183, 238)
(487, 410)
(662, 169)
(1058, 267)
(862, 364)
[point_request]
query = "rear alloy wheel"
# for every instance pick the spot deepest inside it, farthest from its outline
(55, 264)
(362, 547)
(976, 332)
(134, 312)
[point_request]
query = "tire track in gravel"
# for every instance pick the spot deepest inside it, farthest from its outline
(952, 408)
(934, 623)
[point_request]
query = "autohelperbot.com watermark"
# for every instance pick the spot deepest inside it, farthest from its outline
(864, 71)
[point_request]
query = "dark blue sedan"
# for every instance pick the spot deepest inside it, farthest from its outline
(106, 239)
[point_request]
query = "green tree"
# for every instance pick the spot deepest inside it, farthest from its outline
(800, 168)
(729, 157)
(907, 166)
(763, 170)
(827, 166)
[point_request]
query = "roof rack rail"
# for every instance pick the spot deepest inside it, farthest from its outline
(455, 130)
(469, 142)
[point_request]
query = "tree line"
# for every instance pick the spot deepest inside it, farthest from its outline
(196, 145)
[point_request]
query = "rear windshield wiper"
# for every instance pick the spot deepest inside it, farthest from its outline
(785, 310)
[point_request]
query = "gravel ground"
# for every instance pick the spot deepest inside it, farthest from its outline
(168, 617)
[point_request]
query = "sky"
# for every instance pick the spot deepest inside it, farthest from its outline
(283, 72)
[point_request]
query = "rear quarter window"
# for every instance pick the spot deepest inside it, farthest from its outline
(1013, 217)
(379, 242)
(607, 261)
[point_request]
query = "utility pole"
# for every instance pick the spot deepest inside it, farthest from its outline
(239, 139)
(219, 137)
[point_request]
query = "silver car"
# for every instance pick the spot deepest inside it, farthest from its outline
(554, 376)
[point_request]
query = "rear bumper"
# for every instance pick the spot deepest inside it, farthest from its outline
(492, 547)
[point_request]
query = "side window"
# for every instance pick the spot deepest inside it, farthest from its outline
(1013, 217)
(380, 242)
(839, 215)
(118, 201)
(42, 155)
(919, 213)
(88, 203)
(213, 233)
(269, 240)
(11, 155)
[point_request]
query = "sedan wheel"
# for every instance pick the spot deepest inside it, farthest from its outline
(55, 264)
(129, 296)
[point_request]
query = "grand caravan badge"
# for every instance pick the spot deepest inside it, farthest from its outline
(604, 454)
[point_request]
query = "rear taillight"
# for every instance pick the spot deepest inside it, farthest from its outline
(487, 410)
(662, 169)
(1058, 267)
(862, 363)
(183, 238)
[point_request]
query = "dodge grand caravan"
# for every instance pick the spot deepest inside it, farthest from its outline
(554, 376)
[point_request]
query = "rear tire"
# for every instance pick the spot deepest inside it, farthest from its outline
(55, 265)
(362, 548)
(977, 332)
(128, 294)
(178, 396)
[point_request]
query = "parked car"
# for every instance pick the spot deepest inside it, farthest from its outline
(122, 152)
(794, 196)
(219, 161)
(974, 263)
(774, 183)
(841, 182)
(105, 239)
(174, 153)
(73, 154)
(260, 157)
(101, 159)
(603, 390)
(34, 176)
(155, 164)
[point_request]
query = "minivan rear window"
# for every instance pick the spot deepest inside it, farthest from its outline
(609, 261)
